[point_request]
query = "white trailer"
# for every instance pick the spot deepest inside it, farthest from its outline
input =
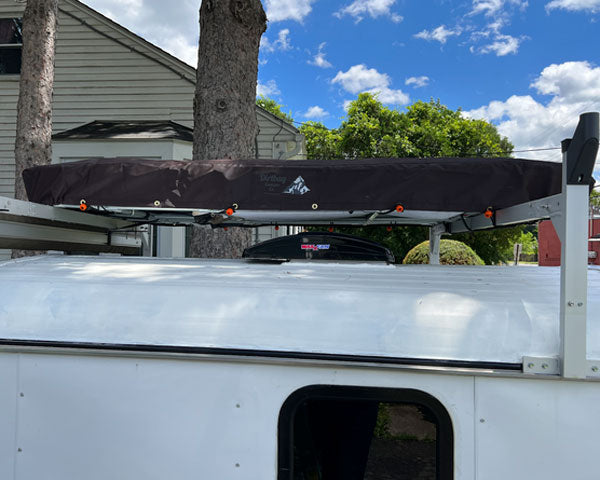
(139, 368)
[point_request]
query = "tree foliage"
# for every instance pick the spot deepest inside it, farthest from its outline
(273, 107)
(452, 252)
(424, 129)
(595, 198)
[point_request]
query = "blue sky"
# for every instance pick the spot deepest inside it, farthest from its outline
(530, 67)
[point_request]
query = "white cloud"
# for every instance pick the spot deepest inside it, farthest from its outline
(283, 39)
(491, 8)
(359, 79)
(502, 45)
(574, 88)
(418, 82)
(181, 48)
(282, 42)
(319, 59)
(439, 34)
(499, 13)
(315, 112)
(267, 89)
(373, 8)
(575, 5)
(278, 10)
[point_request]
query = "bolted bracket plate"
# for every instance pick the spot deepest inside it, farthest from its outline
(541, 365)
(594, 368)
(551, 366)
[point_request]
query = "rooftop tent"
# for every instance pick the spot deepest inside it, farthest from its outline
(421, 191)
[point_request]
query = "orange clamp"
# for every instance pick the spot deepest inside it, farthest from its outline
(399, 208)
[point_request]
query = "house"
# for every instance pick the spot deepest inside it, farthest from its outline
(104, 72)
(550, 248)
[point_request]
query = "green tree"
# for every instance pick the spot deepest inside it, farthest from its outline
(321, 142)
(273, 107)
(452, 252)
(595, 198)
(424, 129)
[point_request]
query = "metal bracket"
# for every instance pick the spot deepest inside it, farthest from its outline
(548, 207)
(594, 368)
(541, 365)
(551, 366)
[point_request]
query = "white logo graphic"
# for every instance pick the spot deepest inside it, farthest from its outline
(298, 187)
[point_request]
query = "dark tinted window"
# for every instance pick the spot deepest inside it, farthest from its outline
(10, 45)
(351, 433)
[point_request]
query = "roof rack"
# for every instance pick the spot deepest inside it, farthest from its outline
(28, 225)
(31, 226)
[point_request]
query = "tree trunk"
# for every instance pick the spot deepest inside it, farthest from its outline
(225, 124)
(33, 145)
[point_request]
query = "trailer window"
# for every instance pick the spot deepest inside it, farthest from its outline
(356, 433)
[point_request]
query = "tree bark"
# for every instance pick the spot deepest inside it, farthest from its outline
(33, 144)
(225, 124)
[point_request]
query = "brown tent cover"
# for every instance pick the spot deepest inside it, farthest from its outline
(434, 184)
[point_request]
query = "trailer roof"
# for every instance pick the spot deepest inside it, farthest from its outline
(471, 314)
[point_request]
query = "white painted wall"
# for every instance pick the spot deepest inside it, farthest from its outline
(98, 417)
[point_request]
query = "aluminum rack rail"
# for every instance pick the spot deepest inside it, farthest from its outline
(31, 226)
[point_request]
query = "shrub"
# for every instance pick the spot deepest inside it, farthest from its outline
(452, 252)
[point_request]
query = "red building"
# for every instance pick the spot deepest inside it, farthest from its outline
(549, 244)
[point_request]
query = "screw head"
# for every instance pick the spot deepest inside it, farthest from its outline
(530, 365)
(544, 366)
(580, 304)
(570, 303)
(594, 369)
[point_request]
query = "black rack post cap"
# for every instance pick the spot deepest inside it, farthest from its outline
(582, 150)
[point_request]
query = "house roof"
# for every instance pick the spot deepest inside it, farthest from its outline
(108, 129)
(133, 41)
(138, 44)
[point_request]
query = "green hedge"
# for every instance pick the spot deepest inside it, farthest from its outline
(452, 252)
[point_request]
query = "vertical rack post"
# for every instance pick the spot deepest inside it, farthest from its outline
(435, 236)
(579, 156)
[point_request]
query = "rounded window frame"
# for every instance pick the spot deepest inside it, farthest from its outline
(285, 427)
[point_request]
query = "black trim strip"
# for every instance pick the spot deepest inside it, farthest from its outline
(238, 352)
